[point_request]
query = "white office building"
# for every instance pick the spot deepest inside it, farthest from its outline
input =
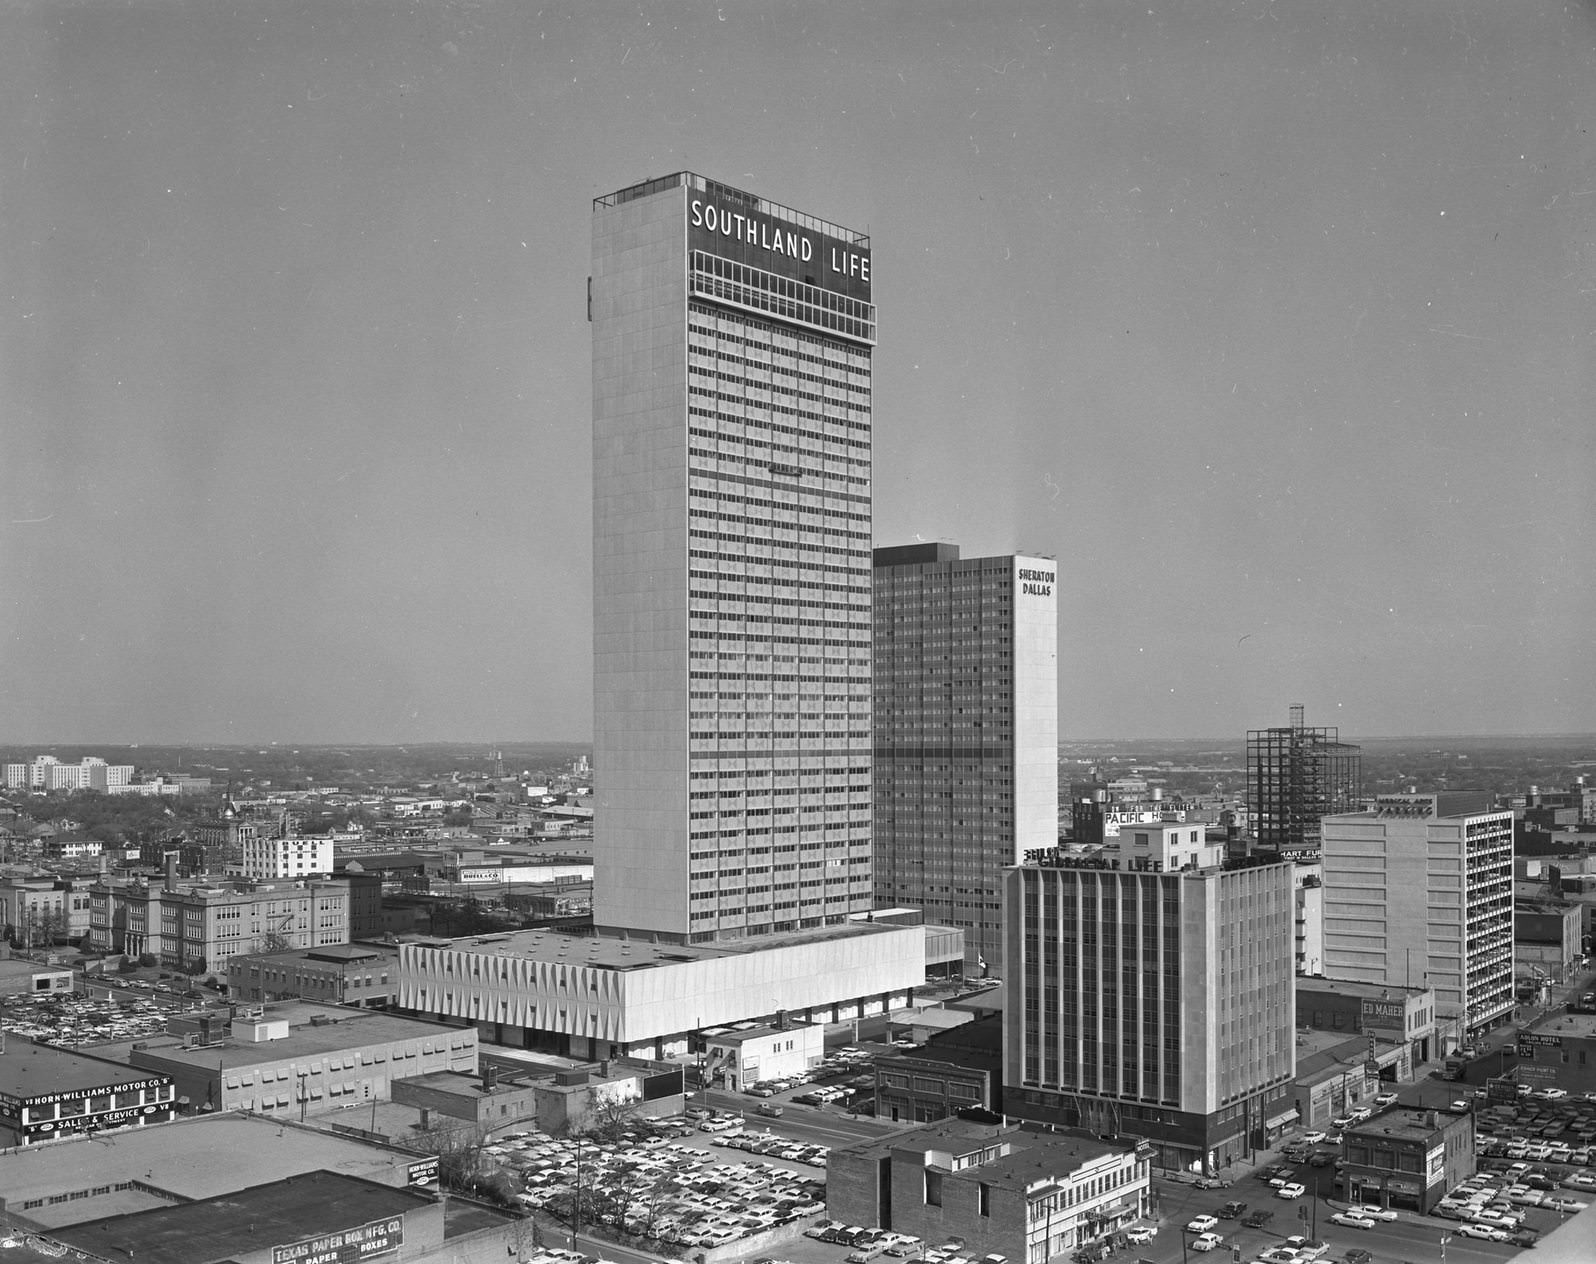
(1418, 891)
(732, 342)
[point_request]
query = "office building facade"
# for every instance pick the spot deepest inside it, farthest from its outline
(966, 731)
(1295, 776)
(1419, 891)
(732, 342)
(1151, 994)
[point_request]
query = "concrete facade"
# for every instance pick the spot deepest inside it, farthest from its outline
(1155, 1004)
(600, 997)
(297, 1057)
(731, 516)
(740, 1058)
(966, 731)
(1420, 891)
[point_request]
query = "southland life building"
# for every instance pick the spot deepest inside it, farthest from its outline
(732, 347)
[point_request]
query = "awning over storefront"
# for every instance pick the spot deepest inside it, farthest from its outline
(1281, 1120)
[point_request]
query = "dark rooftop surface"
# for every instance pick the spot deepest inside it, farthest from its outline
(231, 1225)
(28, 1070)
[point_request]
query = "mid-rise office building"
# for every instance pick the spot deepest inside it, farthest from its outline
(1151, 994)
(1295, 776)
(732, 343)
(966, 731)
(1419, 891)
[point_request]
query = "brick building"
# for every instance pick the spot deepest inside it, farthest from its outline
(1023, 1194)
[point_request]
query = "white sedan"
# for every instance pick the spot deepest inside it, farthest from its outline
(1206, 1242)
(1202, 1224)
(1486, 1232)
(1291, 1190)
(1351, 1220)
(1372, 1212)
(1140, 1234)
(1314, 1137)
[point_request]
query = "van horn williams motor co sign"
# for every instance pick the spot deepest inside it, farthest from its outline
(375, 1237)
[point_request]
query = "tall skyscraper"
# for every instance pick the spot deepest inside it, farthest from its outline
(732, 342)
(1151, 992)
(966, 731)
(1419, 891)
(1295, 775)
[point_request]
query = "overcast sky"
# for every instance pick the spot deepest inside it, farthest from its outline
(1274, 322)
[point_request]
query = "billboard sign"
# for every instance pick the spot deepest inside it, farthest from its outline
(422, 1173)
(1384, 1015)
(347, 1246)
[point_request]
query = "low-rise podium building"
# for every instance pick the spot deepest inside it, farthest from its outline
(47, 1092)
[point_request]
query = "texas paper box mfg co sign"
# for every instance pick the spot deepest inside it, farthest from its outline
(377, 1237)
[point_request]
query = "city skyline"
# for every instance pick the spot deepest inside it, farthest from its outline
(1276, 315)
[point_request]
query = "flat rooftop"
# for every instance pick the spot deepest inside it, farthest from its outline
(1034, 1156)
(612, 952)
(20, 968)
(204, 1156)
(304, 1206)
(1575, 1026)
(29, 1070)
(1358, 988)
(348, 1028)
(1406, 1125)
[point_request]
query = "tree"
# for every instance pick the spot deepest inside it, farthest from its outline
(610, 1118)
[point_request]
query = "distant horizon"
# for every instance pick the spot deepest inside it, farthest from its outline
(44, 747)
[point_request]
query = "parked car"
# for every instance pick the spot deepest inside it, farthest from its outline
(1488, 1233)
(1257, 1219)
(772, 1109)
(1231, 1210)
(1352, 1220)
(1291, 1190)
(1385, 1099)
(1373, 1211)
(1206, 1242)
(1201, 1224)
(1306, 1248)
(1314, 1137)
(1140, 1234)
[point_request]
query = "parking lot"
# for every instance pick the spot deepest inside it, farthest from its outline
(666, 1187)
(74, 1019)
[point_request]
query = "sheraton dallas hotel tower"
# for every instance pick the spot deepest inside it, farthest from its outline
(732, 340)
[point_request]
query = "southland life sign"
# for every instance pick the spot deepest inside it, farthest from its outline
(733, 230)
